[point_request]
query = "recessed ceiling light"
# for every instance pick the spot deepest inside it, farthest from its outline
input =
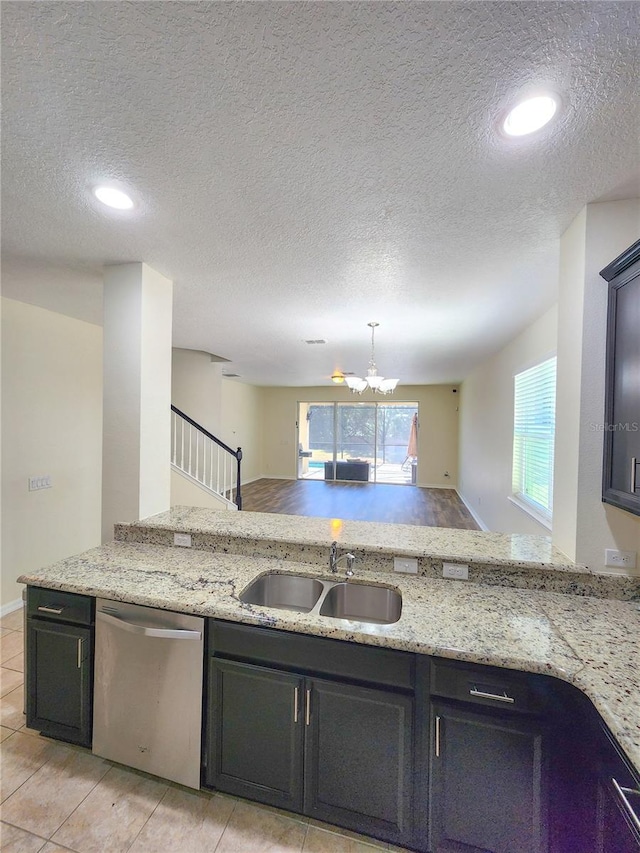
(113, 198)
(530, 115)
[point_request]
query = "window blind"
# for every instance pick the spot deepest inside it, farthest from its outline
(534, 436)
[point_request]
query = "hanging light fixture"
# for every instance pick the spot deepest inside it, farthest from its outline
(372, 380)
(338, 377)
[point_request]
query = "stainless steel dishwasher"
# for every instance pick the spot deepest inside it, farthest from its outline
(147, 709)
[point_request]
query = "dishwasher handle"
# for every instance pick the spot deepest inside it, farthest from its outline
(145, 631)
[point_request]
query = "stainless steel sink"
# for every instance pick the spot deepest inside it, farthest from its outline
(287, 592)
(362, 603)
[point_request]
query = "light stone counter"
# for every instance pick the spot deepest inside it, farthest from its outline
(591, 643)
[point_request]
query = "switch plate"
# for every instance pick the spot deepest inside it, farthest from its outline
(620, 559)
(454, 570)
(182, 539)
(41, 482)
(408, 565)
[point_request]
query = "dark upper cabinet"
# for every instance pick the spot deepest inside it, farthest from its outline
(621, 469)
(59, 665)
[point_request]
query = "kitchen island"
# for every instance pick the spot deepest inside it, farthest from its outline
(526, 608)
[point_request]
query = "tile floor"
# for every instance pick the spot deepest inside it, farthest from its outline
(57, 797)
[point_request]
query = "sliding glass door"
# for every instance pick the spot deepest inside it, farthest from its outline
(366, 442)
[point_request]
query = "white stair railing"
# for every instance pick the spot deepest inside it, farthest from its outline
(202, 456)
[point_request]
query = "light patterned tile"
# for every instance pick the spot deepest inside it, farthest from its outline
(47, 799)
(13, 621)
(15, 840)
(16, 663)
(9, 680)
(354, 836)
(22, 755)
(4, 632)
(11, 644)
(185, 820)
(50, 847)
(5, 733)
(11, 709)
(253, 830)
(322, 841)
(112, 815)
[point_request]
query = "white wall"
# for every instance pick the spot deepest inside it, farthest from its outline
(585, 526)
(437, 438)
(242, 424)
(486, 429)
(184, 492)
(51, 424)
(196, 387)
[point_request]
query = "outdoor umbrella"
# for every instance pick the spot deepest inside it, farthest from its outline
(412, 447)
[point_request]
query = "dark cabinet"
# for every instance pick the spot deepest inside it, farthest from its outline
(59, 664)
(621, 468)
(358, 758)
(618, 814)
(487, 789)
(337, 751)
(255, 733)
(486, 783)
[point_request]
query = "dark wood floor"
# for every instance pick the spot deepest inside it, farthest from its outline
(359, 502)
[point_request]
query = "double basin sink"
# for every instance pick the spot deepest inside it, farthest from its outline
(357, 602)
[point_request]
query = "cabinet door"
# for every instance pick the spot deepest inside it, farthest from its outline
(486, 783)
(358, 758)
(618, 818)
(60, 680)
(254, 733)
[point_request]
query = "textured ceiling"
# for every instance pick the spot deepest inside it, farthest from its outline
(304, 168)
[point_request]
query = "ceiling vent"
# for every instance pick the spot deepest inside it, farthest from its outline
(231, 375)
(319, 341)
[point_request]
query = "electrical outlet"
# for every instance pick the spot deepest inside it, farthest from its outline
(408, 565)
(620, 559)
(182, 539)
(454, 570)
(41, 482)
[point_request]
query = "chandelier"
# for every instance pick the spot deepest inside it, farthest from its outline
(372, 380)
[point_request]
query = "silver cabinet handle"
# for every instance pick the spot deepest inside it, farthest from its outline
(621, 794)
(145, 631)
(79, 653)
(51, 610)
(437, 736)
(295, 704)
(307, 712)
(495, 696)
(634, 466)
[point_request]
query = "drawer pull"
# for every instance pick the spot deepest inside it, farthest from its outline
(79, 653)
(50, 610)
(295, 704)
(634, 466)
(495, 696)
(307, 713)
(437, 736)
(626, 805)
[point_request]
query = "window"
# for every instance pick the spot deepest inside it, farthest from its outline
(533, 438)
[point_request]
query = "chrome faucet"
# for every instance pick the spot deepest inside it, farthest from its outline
(334, 560)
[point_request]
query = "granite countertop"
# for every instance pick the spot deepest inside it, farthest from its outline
(589, 642)
(469, 546)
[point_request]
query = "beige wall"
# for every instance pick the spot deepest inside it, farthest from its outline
(583, 526)
(184, 492)
(51, 424)
(242, 424)
(486, 429)
(437, 438)
(196, 387)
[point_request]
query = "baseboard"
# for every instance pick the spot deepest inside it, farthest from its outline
(435, 486)
(476, 517)
(10, 606)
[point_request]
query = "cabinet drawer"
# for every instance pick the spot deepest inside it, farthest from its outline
(317, 655)
(485, 685)
(59, 606)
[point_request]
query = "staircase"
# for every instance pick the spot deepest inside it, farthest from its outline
(205, 460)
